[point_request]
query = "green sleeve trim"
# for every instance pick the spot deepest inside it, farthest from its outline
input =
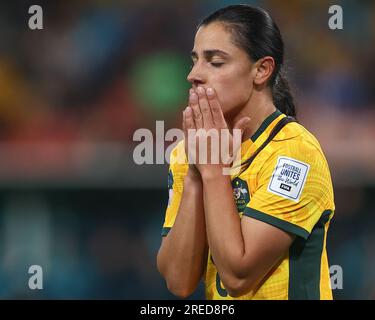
(165, 231)
(281, 224)
(305, 261)
(265, 124)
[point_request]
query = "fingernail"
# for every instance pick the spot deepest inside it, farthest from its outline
(188, 109)
(200, 90)
(210, 92)
(193, 97)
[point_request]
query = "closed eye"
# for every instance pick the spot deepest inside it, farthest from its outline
(217, 64)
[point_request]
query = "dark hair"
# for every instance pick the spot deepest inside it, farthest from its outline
(254, 30)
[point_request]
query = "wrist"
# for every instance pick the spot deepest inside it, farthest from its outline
(213, 173)
(193, 177)
(193, 174)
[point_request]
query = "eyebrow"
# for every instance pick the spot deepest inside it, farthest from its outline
(208, 54)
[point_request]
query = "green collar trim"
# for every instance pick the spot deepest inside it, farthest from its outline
(265, 124)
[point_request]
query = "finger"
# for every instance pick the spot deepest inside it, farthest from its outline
(217, 112)
(185, 133)
(242, 124)
(189, 120)
(183, 121)
(205, 108)
(184, 126)
(189, 125)
(237, 138)
(194, 104)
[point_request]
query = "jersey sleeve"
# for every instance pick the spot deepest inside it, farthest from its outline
(293, 184)
(177, 171)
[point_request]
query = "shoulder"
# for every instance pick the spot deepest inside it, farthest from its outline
(296, 158)
(295, 149)
(295, 140)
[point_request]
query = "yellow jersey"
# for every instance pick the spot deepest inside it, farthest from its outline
(288, 185)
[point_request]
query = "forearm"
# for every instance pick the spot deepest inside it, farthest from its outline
(243, 252)
(223, 225)
(183, 253)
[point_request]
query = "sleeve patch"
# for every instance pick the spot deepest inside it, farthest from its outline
(288, 178)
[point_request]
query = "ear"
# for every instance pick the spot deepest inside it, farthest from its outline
(263, 70)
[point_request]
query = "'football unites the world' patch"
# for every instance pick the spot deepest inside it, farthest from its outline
(288, 178)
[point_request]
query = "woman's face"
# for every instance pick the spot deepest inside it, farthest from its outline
(219, 64)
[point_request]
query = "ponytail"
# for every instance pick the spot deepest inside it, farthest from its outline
(281, 94)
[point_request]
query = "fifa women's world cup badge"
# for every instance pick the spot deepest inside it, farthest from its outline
(240, 193)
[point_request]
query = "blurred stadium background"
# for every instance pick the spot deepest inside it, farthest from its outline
(71, 96)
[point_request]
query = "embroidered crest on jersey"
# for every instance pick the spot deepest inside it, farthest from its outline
(288, 178)
(240, 193)
(170, 187)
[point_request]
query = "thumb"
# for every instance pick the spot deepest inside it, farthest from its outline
(242, 123)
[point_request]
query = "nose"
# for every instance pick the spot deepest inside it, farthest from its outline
(196, 77)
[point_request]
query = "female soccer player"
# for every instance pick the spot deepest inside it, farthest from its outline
(261, 233)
